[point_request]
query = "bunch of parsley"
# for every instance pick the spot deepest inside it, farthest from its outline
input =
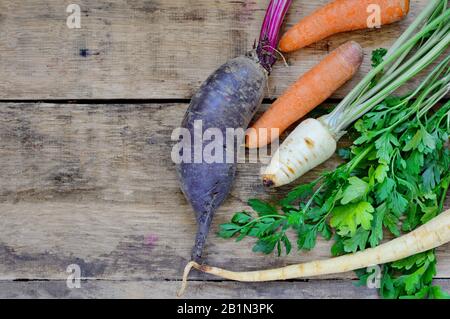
(395, 178)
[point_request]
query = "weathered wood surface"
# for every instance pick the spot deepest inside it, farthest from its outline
(143, 49)
(94, 185)
(328, 289)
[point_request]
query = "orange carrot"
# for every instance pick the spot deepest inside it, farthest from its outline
(309, 91)
(341, 16)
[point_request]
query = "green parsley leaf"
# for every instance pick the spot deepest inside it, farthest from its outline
(397, 203)
(348, 217)
(300, 192)
(358, 241)
(436, 292)
(413, 143)
(338, 248)
(241, 218)
(381, 173)
(262, 208)
(384, 189)
(376, 234)
(415, 163)
(431, 177)
(307, 235)
(265, 245)
(385, 147)
(387, 288)
(356, 190)
(377, 56)
(228, 230)
(410, 262)
(391, 222)
(325, 230)
(287, 244)
(295, 219)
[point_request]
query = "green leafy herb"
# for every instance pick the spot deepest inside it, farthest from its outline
(377, 56)
(395, 178)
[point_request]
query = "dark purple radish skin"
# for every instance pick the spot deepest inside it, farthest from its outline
(229, 99)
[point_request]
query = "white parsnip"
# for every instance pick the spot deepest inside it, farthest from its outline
(309, 145)
(429, 236)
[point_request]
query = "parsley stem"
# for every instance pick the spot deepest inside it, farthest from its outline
(394, 156)
(355, 162)
(410, 73)
(261, 218)
(394, 51)
(356, 105)
(443, 117)
(423, 103)
(436, 38)
(310, 201)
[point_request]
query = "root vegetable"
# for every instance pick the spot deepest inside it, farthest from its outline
(309, 145)
(429, 236)
(340, 16)
(227, 100)
(309, 91)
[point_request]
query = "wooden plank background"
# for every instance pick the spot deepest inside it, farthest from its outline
(149, 49)
(91, 183)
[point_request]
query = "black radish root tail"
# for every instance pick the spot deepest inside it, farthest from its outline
(202, 234)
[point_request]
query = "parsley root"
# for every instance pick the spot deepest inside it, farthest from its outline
(429, 236)
(340, 16)
(313, 145)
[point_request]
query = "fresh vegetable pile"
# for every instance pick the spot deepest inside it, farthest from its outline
(394, 179)
(398, 166)
(422, 43)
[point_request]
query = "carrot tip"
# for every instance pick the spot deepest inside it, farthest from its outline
(353, 53)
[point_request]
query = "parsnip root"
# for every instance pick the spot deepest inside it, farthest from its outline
(429, 236)
(308, 146)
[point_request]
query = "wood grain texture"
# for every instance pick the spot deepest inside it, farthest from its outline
(328, 289)
(142, 49)
(94, 185)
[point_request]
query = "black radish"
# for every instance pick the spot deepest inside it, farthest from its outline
(228, 99)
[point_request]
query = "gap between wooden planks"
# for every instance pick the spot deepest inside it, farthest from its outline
(94, 185)
(149, 49)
